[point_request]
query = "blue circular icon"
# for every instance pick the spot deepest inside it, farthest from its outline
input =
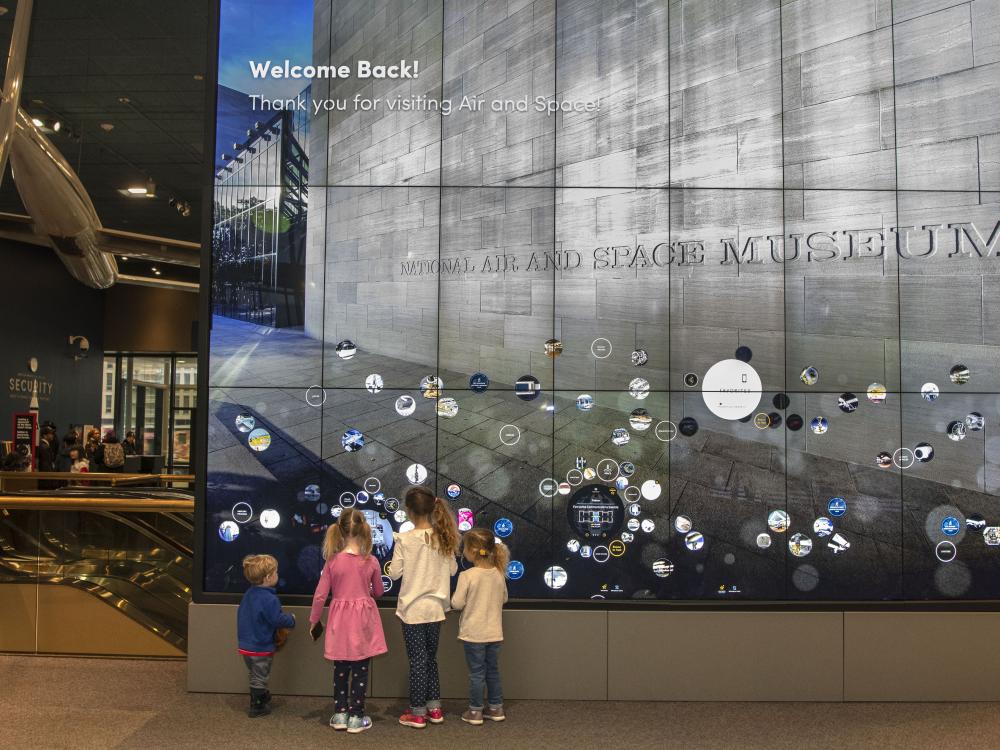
(503, 527)
(837, 506)
(362, 497)
(950, 526)
(454, 491)
(515, 570)
(479, 382)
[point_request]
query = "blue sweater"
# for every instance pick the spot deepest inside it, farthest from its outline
(258, 616)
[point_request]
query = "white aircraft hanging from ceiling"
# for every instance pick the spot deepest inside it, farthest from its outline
(61, 214)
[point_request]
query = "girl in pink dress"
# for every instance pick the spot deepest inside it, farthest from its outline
(353, 627)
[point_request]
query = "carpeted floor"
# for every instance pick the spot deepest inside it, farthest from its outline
(117, 703)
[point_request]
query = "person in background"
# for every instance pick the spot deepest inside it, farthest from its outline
(78, 463)
(480, 594)
(257, 618)
(45, 455)
(110, 454)
(129, 445)
(424, 557)
(353, 626)
(63, 461)
(91, 448)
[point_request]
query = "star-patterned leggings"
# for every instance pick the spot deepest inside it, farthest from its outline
(421, 648)
(357, 672)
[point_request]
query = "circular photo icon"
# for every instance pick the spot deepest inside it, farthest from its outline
(819, 425)
(777, 521)
(884, 459)
(632, 524)
(311, 493)
(627, 468)
(515, 570)
(781, 401)
(589, 473)
(555, 577)
(975, 421)
(638, 388)
(836, 507)
(503, 527)
(229, 531)
(352, 440)
(634, 510)
(662, 568)
(620, 436)
(584, 402)
(453, 490)
(959, 374)
(763, 541)
(639, 420)
(527, 388)
(346, 349)
(647, 525)
(683, 524)
(573, 545)
(416, 473)
(800, 545)
(957, 430)
(809, 376)
(392, 504)
(406, 405)
(694, 541)
(245, 421)
(430, 386)
(259, 440)
(628, 537)
(639, 357)
(930, 391)
(847, 402)
(876, 393)
(923, 452)
(690, 379)
(688, 426)
(465, 519)
(794, 422)
(822, 526)
(347, 500)
(270, 518)
(651, 489)
(399, 516)
(743, 353)
(586, 551)
(447, 408)
(373, 383)
(479, 382)
(553, 348)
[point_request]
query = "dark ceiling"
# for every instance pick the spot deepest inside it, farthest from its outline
(84, 56)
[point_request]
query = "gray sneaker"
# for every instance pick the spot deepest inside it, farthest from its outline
(358, 724)
(339, 721)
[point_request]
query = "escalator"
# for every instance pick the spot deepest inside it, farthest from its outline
(137, 561)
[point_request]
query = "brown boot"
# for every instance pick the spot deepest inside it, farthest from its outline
(472, 716)
(494, 713)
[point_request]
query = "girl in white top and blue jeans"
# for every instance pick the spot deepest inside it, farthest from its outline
(424, 557)
(481, 593)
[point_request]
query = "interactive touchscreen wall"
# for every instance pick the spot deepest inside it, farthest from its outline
(684, 300)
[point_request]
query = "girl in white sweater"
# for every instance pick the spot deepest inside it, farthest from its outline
(424, 557)
(481, 593)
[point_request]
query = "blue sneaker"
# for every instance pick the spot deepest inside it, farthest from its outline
(339, 721)
(358, 724)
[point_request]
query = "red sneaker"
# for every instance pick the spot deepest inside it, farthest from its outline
(435, 716)
(412, 720)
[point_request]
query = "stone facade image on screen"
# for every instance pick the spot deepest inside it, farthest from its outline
(729, 333)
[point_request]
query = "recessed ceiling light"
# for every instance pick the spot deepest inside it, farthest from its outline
(124, 257)
(107, 127)
(38, 123)
(138, 190)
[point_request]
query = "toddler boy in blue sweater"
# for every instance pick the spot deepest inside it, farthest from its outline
(257, 619)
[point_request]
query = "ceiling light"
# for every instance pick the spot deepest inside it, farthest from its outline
(137, 190)
(56, 126)
(153, 268)
(38, 123)
(107, 127)
(157, 273)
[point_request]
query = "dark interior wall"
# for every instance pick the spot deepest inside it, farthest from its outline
(147, 319)
(42, 306)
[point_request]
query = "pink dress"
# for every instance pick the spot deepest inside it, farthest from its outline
(353, 625)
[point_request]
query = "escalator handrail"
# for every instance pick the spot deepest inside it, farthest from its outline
(147, 530)
(117, 504)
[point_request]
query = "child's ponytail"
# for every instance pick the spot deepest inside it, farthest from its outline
(445, 528)
(333, 542)
(481, 543)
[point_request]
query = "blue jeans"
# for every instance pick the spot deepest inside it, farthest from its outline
(482, 660)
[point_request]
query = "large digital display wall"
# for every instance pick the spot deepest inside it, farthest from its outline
(684, 300)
